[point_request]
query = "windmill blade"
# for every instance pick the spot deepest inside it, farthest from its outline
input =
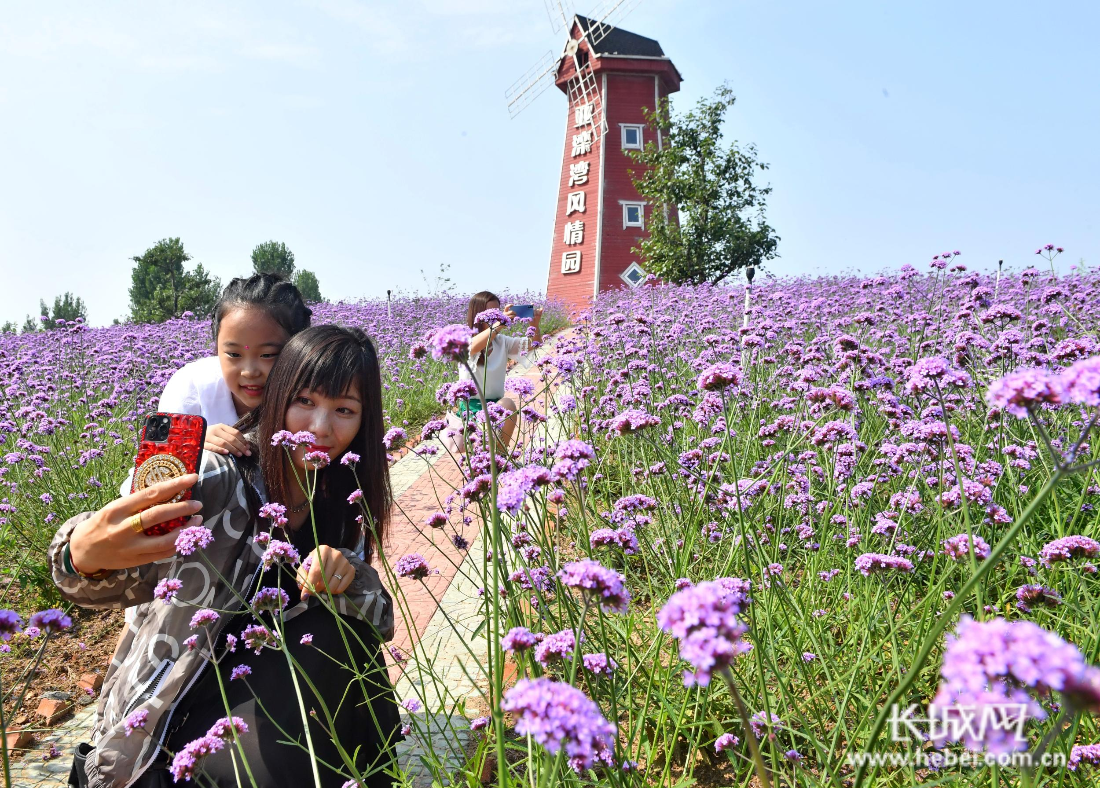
(608, 16)
(531, 85)
(584, 90)
(560, 13)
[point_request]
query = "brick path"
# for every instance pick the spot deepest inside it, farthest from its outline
(420, 484)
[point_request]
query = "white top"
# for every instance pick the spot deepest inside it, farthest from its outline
(491, 374)
(199, 388)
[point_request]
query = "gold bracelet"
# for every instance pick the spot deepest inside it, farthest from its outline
(135, 523)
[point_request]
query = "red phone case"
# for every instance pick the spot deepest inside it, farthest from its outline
(186, 435)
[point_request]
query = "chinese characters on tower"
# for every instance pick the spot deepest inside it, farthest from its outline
(575, 200)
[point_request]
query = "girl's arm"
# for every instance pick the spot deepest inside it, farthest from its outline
(479, 341)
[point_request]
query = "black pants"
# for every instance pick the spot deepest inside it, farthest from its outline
(364, 710)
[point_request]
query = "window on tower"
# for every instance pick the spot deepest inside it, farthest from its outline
(633, 214)
(632, 136)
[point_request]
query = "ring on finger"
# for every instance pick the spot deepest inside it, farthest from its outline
(338, 576)
(135, 523)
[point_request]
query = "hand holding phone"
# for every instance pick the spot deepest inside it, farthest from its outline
(524, 311)
(108, 539)
(171, 447)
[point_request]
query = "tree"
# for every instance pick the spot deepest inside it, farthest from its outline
(30, 325)
(9, 327)
(66, 307)
(308, 286)
(273, 257)
(707, 220)
(161, 288)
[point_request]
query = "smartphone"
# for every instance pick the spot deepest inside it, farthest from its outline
(171, 446)
(524, 311)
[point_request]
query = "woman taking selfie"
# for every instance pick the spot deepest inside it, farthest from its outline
(489, 354)
(161, 711)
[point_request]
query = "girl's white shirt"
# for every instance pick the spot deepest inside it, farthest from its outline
(490, 374)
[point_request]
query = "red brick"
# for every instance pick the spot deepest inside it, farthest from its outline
(53, 710)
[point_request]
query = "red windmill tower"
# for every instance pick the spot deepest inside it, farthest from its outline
(609, 75)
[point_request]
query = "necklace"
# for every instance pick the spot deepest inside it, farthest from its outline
(300, 507)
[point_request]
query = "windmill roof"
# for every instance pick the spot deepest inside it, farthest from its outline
(622, 42)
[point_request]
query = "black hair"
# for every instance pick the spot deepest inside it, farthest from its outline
(328, 359)
(272, 293)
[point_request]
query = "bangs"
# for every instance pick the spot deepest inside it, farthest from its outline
(333, 371)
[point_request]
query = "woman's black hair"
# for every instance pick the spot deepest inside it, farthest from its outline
(272, 293)
(331, 360)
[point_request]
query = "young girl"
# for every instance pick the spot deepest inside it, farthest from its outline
(165, 691)
(253, 319)
(489, 354)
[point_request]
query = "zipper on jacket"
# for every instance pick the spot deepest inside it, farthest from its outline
(151, 686)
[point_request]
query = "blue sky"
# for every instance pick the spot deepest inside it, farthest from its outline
(373, 138)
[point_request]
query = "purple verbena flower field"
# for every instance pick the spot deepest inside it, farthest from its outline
(848, 470)
(741, 531)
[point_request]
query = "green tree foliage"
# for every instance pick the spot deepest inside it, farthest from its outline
(67, 307)
(9, 327)
(162, 288)
(273, 257)
(308, 286)
(707, 220)
(31, 324)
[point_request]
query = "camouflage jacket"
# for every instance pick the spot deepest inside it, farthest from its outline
(153, 667)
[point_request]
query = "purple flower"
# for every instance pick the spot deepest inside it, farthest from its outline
(606, 585)
(197, 537)
(307, 639)
(1081, 382)
(167, 589)
(514, 486)
(762, 723)
(349, 458)
(240, 672)
(191, 642)
(725, 742)
(1083, 753)
(11, 623)
(224, 727)
(412, 565)
(270, 599)
(436, 520)
(203, 617)
(958, 547)
(718, 377)
(491, 316)
(275, 512)
(256, 636)
(599, 664)
(518, 639)
(631, 421)
(875, 563)
(1025, 389)
(451, 343)
(561, 718)
(479, 723)
(556, 647)
(411, 705)
(279, 551)
(994, 663)
(187, 760)
(704, 619)
(926, 372)
(356, 495)
(460, 541)
(318, 459)
(50, 621)
(1028, 595)
(1068, 547)
(136, 720)
(393, 436)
